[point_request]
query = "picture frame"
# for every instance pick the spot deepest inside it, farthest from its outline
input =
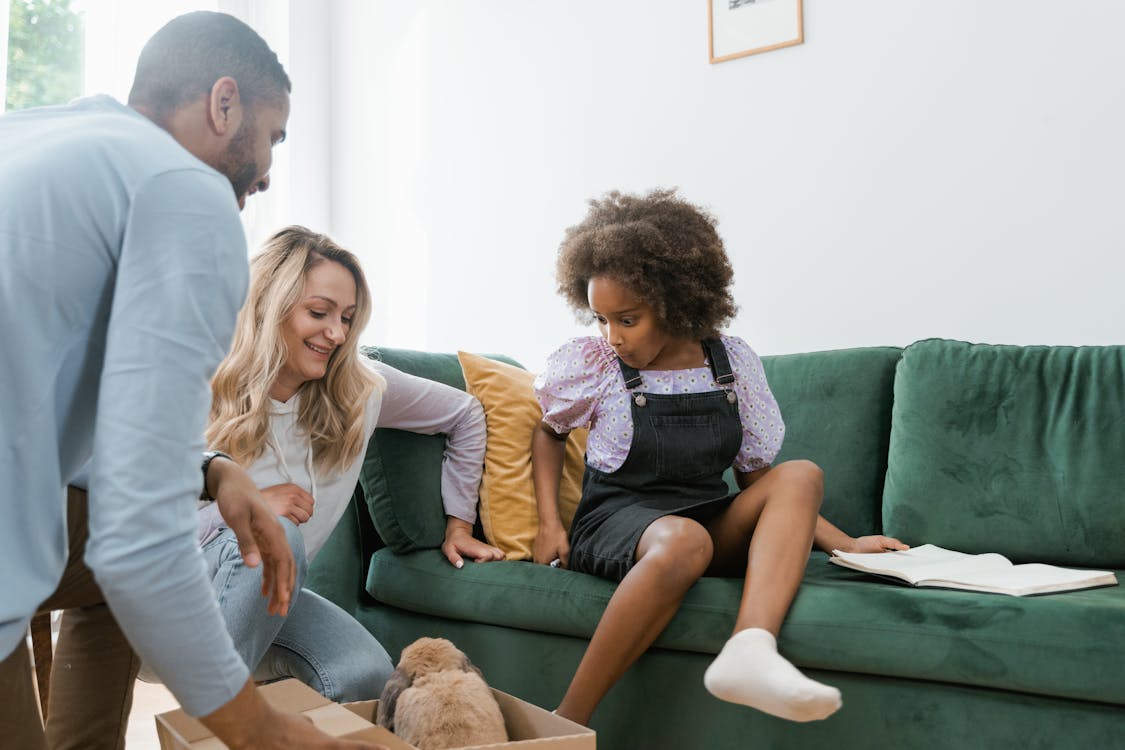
(739, 28)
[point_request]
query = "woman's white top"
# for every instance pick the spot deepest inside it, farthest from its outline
(408, 403)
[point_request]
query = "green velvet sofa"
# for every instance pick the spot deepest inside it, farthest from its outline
(1019, 450)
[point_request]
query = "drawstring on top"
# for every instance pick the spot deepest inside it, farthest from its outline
(276, 445)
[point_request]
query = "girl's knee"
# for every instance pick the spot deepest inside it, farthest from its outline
(680, 545)
(804, 476)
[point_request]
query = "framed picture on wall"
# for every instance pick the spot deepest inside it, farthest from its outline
(746, 27)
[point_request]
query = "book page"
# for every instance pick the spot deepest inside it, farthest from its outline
(1031, 578)
(922, 563)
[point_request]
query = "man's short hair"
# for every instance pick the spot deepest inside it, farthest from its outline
(182, 61)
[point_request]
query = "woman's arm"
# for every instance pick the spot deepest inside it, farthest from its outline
(548, 449)
(431, 408)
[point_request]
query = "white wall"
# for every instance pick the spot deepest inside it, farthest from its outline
(914, 169)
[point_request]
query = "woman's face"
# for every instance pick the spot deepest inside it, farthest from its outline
(318, 324)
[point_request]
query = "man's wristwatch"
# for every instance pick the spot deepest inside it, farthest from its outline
(208, 456)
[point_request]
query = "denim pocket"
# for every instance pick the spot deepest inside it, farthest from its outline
(687, 446)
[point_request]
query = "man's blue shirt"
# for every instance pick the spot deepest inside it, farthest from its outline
(122, 268)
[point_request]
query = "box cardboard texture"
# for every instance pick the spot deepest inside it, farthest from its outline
(528, 725)
(178, 731)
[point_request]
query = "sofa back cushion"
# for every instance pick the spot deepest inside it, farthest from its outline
(1017, 450)
(401, 475)
(837, 411)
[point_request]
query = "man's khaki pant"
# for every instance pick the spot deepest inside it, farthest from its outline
(93, 671)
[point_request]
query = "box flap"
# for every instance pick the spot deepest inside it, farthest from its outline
(178, 731)
(380, 736)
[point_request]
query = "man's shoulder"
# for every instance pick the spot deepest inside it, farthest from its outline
(105, 141)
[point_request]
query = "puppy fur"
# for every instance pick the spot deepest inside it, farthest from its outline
(437, 699)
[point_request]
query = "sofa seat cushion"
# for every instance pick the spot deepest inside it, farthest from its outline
(1067, 645)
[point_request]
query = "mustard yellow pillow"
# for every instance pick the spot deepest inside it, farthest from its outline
(507, 494)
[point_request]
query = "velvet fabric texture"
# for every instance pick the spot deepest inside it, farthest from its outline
(660, 703)
(1016, 450)
(1068, 645)
(837, 411)
(917, 667)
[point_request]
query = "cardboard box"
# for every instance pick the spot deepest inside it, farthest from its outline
(528, 725)
(178, 731)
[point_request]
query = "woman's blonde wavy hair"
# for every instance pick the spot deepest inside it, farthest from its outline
(331, 409)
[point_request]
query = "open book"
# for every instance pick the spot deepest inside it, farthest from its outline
(930, 565)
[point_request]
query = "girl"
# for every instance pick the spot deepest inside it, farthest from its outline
(296, 405)
(671, 403)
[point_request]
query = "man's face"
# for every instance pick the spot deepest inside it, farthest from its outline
(249, 155)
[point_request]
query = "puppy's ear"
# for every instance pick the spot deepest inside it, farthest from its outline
(398, 682)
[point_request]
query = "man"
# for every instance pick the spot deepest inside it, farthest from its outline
(122, 268)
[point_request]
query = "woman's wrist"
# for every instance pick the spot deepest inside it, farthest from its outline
(454, 525)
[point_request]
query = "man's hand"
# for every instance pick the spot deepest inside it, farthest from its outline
(246, 721)
(459, 540)
(290, 501)
(260, 536)
(874, 543)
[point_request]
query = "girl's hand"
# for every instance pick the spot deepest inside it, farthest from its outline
(874, 543)
(459, 540)
(289, 501)
(550, 544)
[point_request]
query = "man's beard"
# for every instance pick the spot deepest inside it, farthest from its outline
(238, 162)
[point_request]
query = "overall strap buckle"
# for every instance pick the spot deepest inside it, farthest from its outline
(720, 366)
(633, 381)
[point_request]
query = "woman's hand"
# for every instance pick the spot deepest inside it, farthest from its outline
(874, 543)
(550, 544)
(459, 540)
(289, 501)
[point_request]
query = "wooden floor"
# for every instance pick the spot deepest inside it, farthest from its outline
(148, 701)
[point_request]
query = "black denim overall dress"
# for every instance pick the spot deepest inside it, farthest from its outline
(682, 444)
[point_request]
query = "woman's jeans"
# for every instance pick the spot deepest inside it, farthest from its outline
(318, 643)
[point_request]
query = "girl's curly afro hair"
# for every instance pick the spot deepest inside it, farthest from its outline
(662, 249)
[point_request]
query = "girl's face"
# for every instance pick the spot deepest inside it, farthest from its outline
(317, 325)
(632, 328)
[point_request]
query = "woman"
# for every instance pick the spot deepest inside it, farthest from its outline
(295, 404)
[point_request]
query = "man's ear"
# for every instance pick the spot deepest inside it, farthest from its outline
(225, 107)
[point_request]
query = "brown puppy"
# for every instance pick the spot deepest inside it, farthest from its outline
(437, 699)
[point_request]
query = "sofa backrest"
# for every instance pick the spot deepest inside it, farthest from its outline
(836, 406)
(1017, 450)
(837, 411)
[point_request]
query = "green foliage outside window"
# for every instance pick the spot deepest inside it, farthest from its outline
(44, 53)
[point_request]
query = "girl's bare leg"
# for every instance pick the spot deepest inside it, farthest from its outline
(768, 532)
(671, 556)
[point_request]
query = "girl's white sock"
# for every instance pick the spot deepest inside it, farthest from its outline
(749, 671)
